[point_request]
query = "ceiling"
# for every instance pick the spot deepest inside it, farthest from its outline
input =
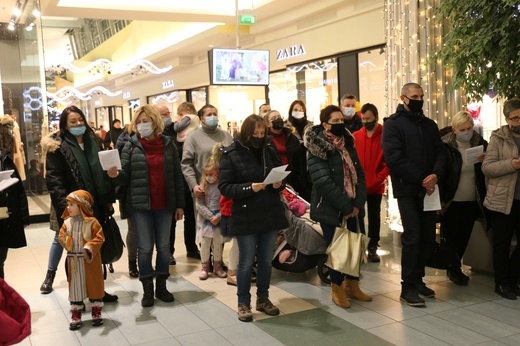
(60, 15)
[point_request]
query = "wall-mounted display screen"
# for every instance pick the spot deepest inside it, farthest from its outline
(239, 66)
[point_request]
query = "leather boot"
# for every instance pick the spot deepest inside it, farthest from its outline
(204, 272)
(338, 296)
(232, 277)
(218, 270)
(346, 288)
(356, 292)
(132, 269)
(46, 286)
(161, 292)
(148, 299)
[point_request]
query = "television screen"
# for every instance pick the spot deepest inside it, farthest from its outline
(239, 67)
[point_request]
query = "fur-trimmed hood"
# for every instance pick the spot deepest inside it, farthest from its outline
(318, 145)
(451, 139)
(51, 142)
(6, 120)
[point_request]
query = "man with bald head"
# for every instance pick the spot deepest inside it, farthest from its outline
(415, 155)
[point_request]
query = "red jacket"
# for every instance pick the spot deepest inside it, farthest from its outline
(371, 157)
(15, 316)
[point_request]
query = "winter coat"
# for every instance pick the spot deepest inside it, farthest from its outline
(354, 124)
(134, 174)
(15, 316)
(329, 200)
(450, 184)
(63, 176)
(372, 160)
(93, 239)
(252, 212)
(299, 178)
(412, 150)
(500, 175)
(12, 234)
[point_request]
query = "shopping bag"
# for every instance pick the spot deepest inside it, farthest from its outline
(347, 250)
(112, 248)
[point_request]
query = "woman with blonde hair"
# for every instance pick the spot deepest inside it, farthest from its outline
(463, 190)
(148, 157)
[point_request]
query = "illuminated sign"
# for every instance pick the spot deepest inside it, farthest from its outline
(126, 95)
(168, 84)
(291, 52)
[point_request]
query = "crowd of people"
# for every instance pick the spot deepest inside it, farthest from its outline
(191, 169)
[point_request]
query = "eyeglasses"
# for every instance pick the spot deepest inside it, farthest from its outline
(514, 119)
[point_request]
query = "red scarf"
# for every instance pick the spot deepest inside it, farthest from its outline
(154, 150)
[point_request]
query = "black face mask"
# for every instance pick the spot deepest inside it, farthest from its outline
(257, 142)
(337, 130)
(415, 105)
(370, 125)
(277, 124)
(515, 129)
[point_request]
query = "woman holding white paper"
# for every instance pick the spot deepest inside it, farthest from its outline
(463, 190)
(257, 212)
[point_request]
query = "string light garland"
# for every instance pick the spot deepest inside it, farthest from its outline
(68, 92)
(106, 66)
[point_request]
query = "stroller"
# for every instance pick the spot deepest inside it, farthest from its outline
(301, 246)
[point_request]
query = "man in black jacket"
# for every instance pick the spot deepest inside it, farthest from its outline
(109, 142)
(415, 155)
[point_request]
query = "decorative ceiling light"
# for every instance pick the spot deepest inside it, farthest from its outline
(107, 66)
(172, 98)
(67, 92)
(32, 98)
(313, 66)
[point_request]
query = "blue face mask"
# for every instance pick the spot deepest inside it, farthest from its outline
(78, 130)
(212, 122)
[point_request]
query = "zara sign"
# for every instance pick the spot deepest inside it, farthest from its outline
(290, 52)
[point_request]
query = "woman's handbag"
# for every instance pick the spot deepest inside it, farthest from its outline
(347, 250)
(112, 248)
(444, 256)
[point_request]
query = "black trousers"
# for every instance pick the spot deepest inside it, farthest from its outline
(374, 219)
(417, 239)
(457, 225)
(189, 226)
(506, 264)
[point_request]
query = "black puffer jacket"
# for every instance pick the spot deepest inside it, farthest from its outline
(63, 176)
(413, 150)
(450, 184)
(252, 212)
(329, 200)
(134, 174)
(12, 233)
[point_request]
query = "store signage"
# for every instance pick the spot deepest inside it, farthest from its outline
(168, 84)
(97, 103)
(291, 52)
(247, 19)
(126, 95)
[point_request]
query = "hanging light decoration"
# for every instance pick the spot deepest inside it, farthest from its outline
(107, 66)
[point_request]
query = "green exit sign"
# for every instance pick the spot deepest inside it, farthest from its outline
(247, 19)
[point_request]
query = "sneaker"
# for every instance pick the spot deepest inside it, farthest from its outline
(425, 291)
(457, 277)
(412, 298)
(265, 305)
(373, 256)
(244, 313)
(505, 291)
(172, 260)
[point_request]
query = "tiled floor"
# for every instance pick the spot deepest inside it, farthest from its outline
(204, 311)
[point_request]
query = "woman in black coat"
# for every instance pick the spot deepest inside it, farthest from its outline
(72, 163)
(13, 201)
(257, 211)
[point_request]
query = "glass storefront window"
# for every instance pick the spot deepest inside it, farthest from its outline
(171, 99)
(198, 97)
(315, 83)
(371, 68)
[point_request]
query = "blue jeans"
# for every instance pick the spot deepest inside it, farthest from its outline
(55, 253)
(249, 245)
(153, 227)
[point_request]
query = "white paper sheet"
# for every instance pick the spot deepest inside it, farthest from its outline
(277, 174)
(433, 201)
(6, 174)
(4, 184)
(109, 158)
(471, 155)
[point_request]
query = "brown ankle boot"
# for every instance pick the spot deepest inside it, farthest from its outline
(346, 288)
(338, 296)
(356, 292)
(232, 277)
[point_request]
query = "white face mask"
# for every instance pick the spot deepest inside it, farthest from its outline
(349, 111)
(145, 129)
(297, 115)
(211, 179)
(465, 136)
